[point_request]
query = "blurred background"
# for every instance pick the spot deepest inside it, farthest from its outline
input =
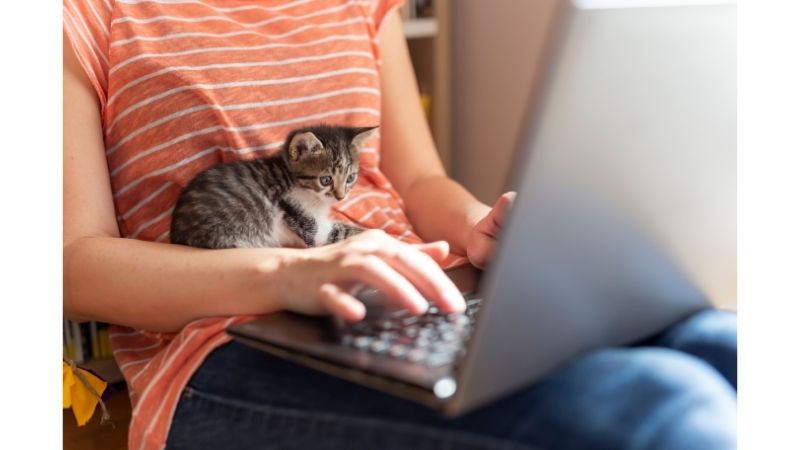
(476, 63)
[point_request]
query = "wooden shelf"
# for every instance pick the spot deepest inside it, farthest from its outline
(421, 28)
(106, 368)
(429, 46)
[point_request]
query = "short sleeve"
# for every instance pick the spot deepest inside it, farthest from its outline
(381, 10)
(86, 26)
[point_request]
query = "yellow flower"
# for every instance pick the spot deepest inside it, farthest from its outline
(82, 392)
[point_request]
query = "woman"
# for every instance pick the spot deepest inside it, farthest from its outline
(156, 91)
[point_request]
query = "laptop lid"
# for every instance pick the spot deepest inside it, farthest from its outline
(625, 215)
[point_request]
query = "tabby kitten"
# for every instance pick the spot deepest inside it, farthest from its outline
(278, 201)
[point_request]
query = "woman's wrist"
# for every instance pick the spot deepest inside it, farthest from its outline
(454, 222)
(270, 276)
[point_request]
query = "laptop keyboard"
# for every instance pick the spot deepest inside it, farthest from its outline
(433, 338)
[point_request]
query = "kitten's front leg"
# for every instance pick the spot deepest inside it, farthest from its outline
(341, 231)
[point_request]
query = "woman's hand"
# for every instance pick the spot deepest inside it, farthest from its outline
(484, 233)
(323, 279)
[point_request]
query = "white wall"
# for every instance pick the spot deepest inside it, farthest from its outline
(497, 47)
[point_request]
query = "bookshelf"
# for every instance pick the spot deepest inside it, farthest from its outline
(421, 28)
(89, 345)
(426, 26)
(106, 368)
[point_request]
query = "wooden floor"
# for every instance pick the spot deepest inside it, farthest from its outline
(94, 436)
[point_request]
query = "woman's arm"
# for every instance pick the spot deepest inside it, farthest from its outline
(438, 207)
(129, 282)
(162, 287)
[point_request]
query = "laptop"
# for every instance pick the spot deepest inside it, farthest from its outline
(624, 222)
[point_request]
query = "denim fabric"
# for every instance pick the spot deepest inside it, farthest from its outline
(676, 391)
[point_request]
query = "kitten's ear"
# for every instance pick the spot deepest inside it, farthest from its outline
(304, 144)
(361, 135)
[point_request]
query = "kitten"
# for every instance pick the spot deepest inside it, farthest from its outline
(278, 201)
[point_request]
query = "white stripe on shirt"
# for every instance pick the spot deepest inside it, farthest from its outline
(166, 169)
(101, 24)
(153, 221)
(90, 42)
(236, 107)
(235, 84)
(240, 48)
(268, 63)
(133, 363)
(240, 151)
(168, 353)
(232, 9)
(162, 373)
(350, 202)
(378, 209)
(146, 200)
(260, 23)
(137, 349)
(258, 126)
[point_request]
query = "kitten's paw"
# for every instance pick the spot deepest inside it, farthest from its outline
(341, 231)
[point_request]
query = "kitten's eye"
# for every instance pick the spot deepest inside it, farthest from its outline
(326, 180)
(351, 178)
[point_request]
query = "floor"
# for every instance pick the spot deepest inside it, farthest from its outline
(94, 436)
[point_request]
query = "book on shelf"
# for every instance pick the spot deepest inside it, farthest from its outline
(416, 9)
(86, 341)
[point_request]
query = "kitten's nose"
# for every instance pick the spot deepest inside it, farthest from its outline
(339, 194)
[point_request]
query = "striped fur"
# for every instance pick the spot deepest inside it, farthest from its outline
(279, 201)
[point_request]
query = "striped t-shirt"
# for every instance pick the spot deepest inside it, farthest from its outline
(186, 84)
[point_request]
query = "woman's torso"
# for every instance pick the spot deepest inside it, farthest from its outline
(186, 84)
(191, 85)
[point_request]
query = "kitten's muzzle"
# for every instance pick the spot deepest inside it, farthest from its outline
(340, 192)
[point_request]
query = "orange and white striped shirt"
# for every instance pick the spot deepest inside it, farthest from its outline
(186, 84)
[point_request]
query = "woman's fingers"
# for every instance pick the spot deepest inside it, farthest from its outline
(423, 272)
(338, 302)
(437, 250)
(500, 211)
(377, 273)
(408, 275)
(480, 250)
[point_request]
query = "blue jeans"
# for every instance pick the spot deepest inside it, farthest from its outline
(674, 391)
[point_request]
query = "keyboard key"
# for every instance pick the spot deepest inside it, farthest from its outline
(362, 342)
(416, 355)
(388, 335)
(398, 351)
(422, 341)
(427, 332)
(439, 359)
(449, 336)
(379, 346)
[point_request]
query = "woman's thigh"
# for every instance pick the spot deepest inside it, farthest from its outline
(653, 398)
(244, 398)
(710, 335)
